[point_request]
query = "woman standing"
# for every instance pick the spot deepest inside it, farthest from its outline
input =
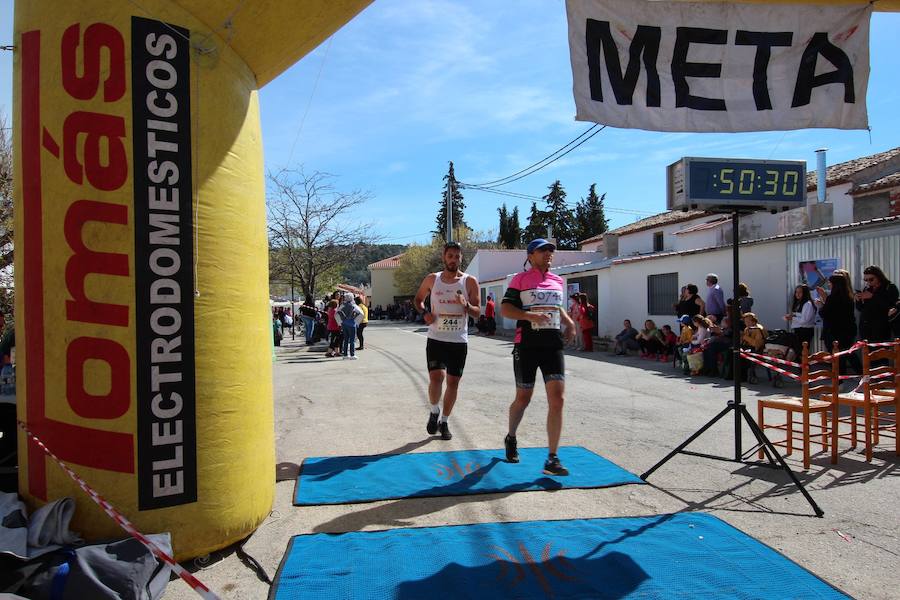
(838, 317)
(874, 303)
(588, 314)
(802, 317)
(691, 303)
(334, 330)
(575, 314)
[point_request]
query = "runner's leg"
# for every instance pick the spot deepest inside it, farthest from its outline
(517, 408)
(450, 393)
(555, 400)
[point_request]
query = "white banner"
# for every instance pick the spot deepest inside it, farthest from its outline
(678, 66)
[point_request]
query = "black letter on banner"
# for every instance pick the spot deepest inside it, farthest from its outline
(163, 260)
(645, 41)
(806, 74)
(764, 43)
(681, 69)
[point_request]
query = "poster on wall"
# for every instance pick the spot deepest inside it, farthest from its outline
(572, 288)
(815, 273)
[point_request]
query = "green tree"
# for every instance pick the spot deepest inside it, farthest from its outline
(504, 221)
(560, 217)
(510, 235)
(590, 219)
(514, 229)
(451, 186)
(422, 259)
(418, 261)
(537, 224)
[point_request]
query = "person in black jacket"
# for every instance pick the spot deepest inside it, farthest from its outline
(690, 303)
(838, 317)
(873, 303)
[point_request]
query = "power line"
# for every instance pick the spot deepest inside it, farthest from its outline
(546, 161)
(613, 209)
(584, 133)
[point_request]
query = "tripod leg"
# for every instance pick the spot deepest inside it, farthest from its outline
(685, 443)
(760, 435)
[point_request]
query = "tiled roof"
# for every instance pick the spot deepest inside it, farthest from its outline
(666, 218)
(704, 226)
(891, 180)
(388, 263)
(596, 238)
(842, 172)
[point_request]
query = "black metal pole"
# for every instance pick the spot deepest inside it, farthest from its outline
(736, 335)
(292, 304)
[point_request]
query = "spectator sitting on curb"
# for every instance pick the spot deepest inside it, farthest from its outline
(650, 340)
(670, 340)
(626, 339)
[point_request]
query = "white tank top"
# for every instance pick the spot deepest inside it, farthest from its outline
(451, 323)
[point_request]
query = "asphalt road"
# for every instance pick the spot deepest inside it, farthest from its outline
(631, 411)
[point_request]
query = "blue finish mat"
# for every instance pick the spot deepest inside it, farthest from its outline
(687, 555)
(344, 479)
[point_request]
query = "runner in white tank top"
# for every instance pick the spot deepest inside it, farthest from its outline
(454, 297)
(451, 323)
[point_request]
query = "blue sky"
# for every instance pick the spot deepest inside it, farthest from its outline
(409, 85)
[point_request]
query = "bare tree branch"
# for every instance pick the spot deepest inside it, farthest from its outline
(313, 228)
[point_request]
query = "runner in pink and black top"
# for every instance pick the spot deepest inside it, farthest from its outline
(536, 299)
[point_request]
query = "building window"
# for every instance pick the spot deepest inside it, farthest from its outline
(658, 241)
(662, 293)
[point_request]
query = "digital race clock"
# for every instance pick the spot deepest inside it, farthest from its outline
(728, 184)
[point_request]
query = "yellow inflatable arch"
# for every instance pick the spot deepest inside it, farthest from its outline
(141, 255)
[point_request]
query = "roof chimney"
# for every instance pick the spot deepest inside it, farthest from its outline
(820, 174)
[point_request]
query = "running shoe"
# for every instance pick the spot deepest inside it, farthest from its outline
(552, 466)
(445, 431)
(512, 449)
(432, 426)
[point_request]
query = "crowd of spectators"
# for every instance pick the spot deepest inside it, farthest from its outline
(704, 342)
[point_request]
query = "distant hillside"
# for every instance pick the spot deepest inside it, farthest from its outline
(356, 272)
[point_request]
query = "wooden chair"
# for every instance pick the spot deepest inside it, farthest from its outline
(819, 386)
(877, 390)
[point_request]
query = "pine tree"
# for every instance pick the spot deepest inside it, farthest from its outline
(514, 230)
(560, 217)
(510, 235)
(503, 229)
(537, 224)
(590, 218)
(459, 222)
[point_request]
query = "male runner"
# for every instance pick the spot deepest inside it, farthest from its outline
(535, 298)
(454, 298)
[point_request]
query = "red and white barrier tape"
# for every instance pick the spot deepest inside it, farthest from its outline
(772, 359)
(752, 358)
(125, 524)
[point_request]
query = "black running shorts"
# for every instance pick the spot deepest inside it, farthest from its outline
(526, 362)
(446, 356)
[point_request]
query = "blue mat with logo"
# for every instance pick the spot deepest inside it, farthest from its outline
(686, 555)
(345, 479)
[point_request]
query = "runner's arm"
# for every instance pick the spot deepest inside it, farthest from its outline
(473, 306)
(568, 325)
(510, 311)
(419, 302)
